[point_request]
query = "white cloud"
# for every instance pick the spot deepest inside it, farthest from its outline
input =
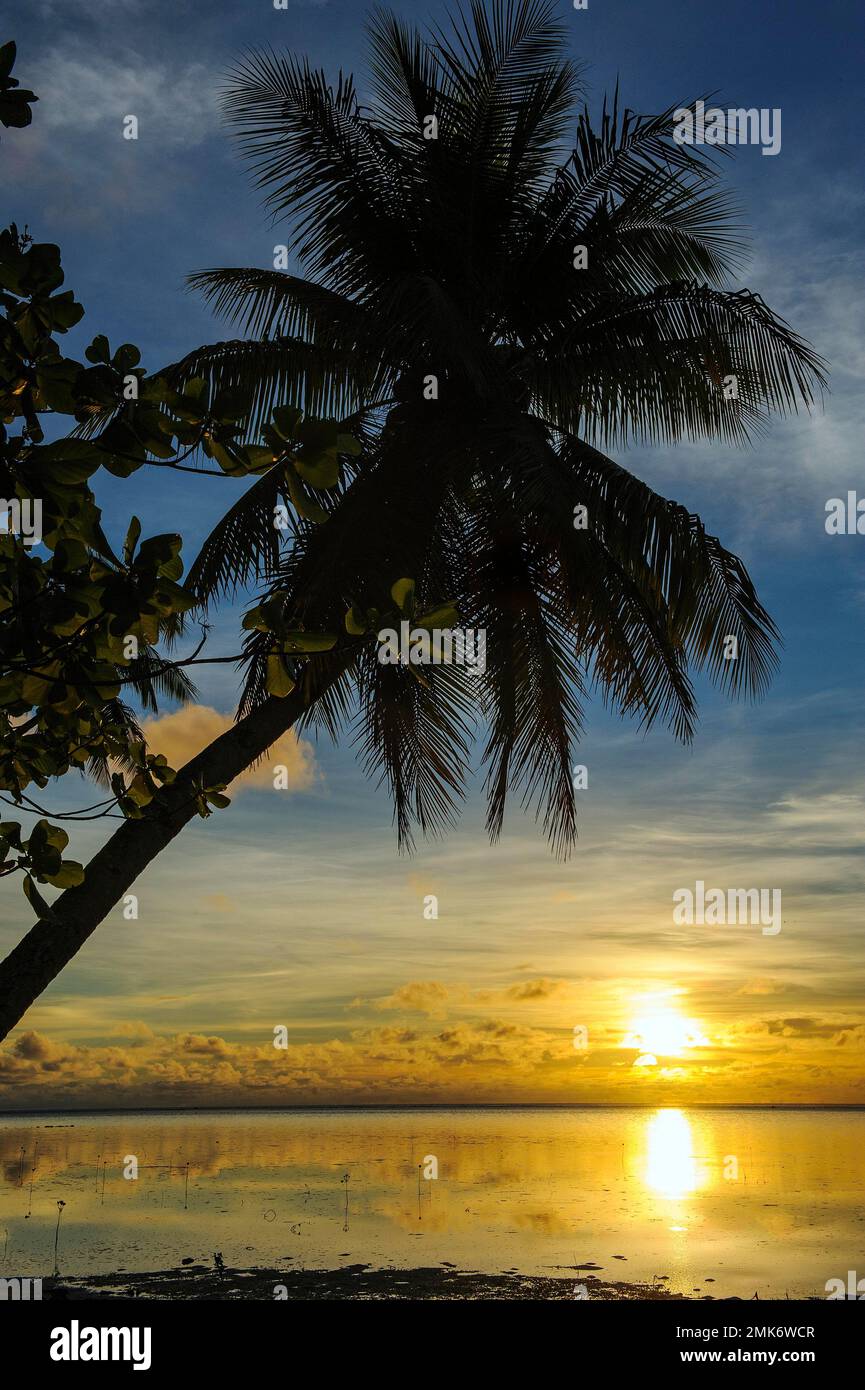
(91, 92)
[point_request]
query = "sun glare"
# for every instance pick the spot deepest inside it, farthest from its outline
(658, 1030)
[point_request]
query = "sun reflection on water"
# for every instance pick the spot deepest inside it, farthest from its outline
(671, 1167)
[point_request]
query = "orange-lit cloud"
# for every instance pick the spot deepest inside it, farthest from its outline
(179, 736)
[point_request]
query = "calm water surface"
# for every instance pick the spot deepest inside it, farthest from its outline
(752, 1200)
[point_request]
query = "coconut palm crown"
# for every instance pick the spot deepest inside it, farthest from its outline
(496, 295)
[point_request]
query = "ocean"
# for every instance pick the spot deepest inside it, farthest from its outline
(705, 1201)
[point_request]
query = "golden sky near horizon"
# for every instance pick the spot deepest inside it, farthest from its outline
(537, 981)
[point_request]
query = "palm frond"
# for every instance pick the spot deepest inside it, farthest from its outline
(149, 678)
(706, 591)
(275, 372)
(273, 304)
(415, 733)
(244, 545)
(658, 367)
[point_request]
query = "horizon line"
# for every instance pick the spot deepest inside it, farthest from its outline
(437, 1105)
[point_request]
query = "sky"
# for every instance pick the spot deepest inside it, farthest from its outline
(538, 981)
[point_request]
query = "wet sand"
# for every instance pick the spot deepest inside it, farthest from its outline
(200, 1282)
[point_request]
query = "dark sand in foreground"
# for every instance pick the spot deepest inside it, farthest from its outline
(201, 1282)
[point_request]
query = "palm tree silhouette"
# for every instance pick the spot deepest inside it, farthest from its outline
(491, 315)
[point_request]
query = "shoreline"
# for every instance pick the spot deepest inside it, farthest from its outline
(355, 1282)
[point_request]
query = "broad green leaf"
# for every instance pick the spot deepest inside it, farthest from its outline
(298, 641)
(355, 621)
(35, 899)
(287, 418)
(254, 620)
(402, 593)
(125, 358)
(132, 537)
(70, 875)
(347, 444)
(302, 502)
(229, 461)
(260, 457)
(277, 681)
(321, 471)
(7, 58)
(99, 350)
(139, 792)
(444, 617)
(65, 312)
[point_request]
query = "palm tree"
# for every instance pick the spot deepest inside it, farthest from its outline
(489, 313)
(494, 313)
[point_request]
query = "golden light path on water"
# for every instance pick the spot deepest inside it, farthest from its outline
(671, 1168)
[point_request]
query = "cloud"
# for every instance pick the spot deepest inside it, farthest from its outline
(219, 902)
(417, 996)
(206, 1047)
(807, 817)
(535, 989)
(135, 1030)
(476, 1062)
(433, 998)
(801, 1028)
(761, 987)
(179, 736)
(33, 1047)
(75, 157)
(90, 91)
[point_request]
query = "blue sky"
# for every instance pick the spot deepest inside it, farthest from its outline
(771, 793)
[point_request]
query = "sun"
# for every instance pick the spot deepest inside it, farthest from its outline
(659, 1030)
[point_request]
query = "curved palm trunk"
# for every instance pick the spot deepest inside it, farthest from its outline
(76, 914)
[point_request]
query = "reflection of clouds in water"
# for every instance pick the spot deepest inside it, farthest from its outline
(542, 1222)
(440, 1214)
(257, 1147)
